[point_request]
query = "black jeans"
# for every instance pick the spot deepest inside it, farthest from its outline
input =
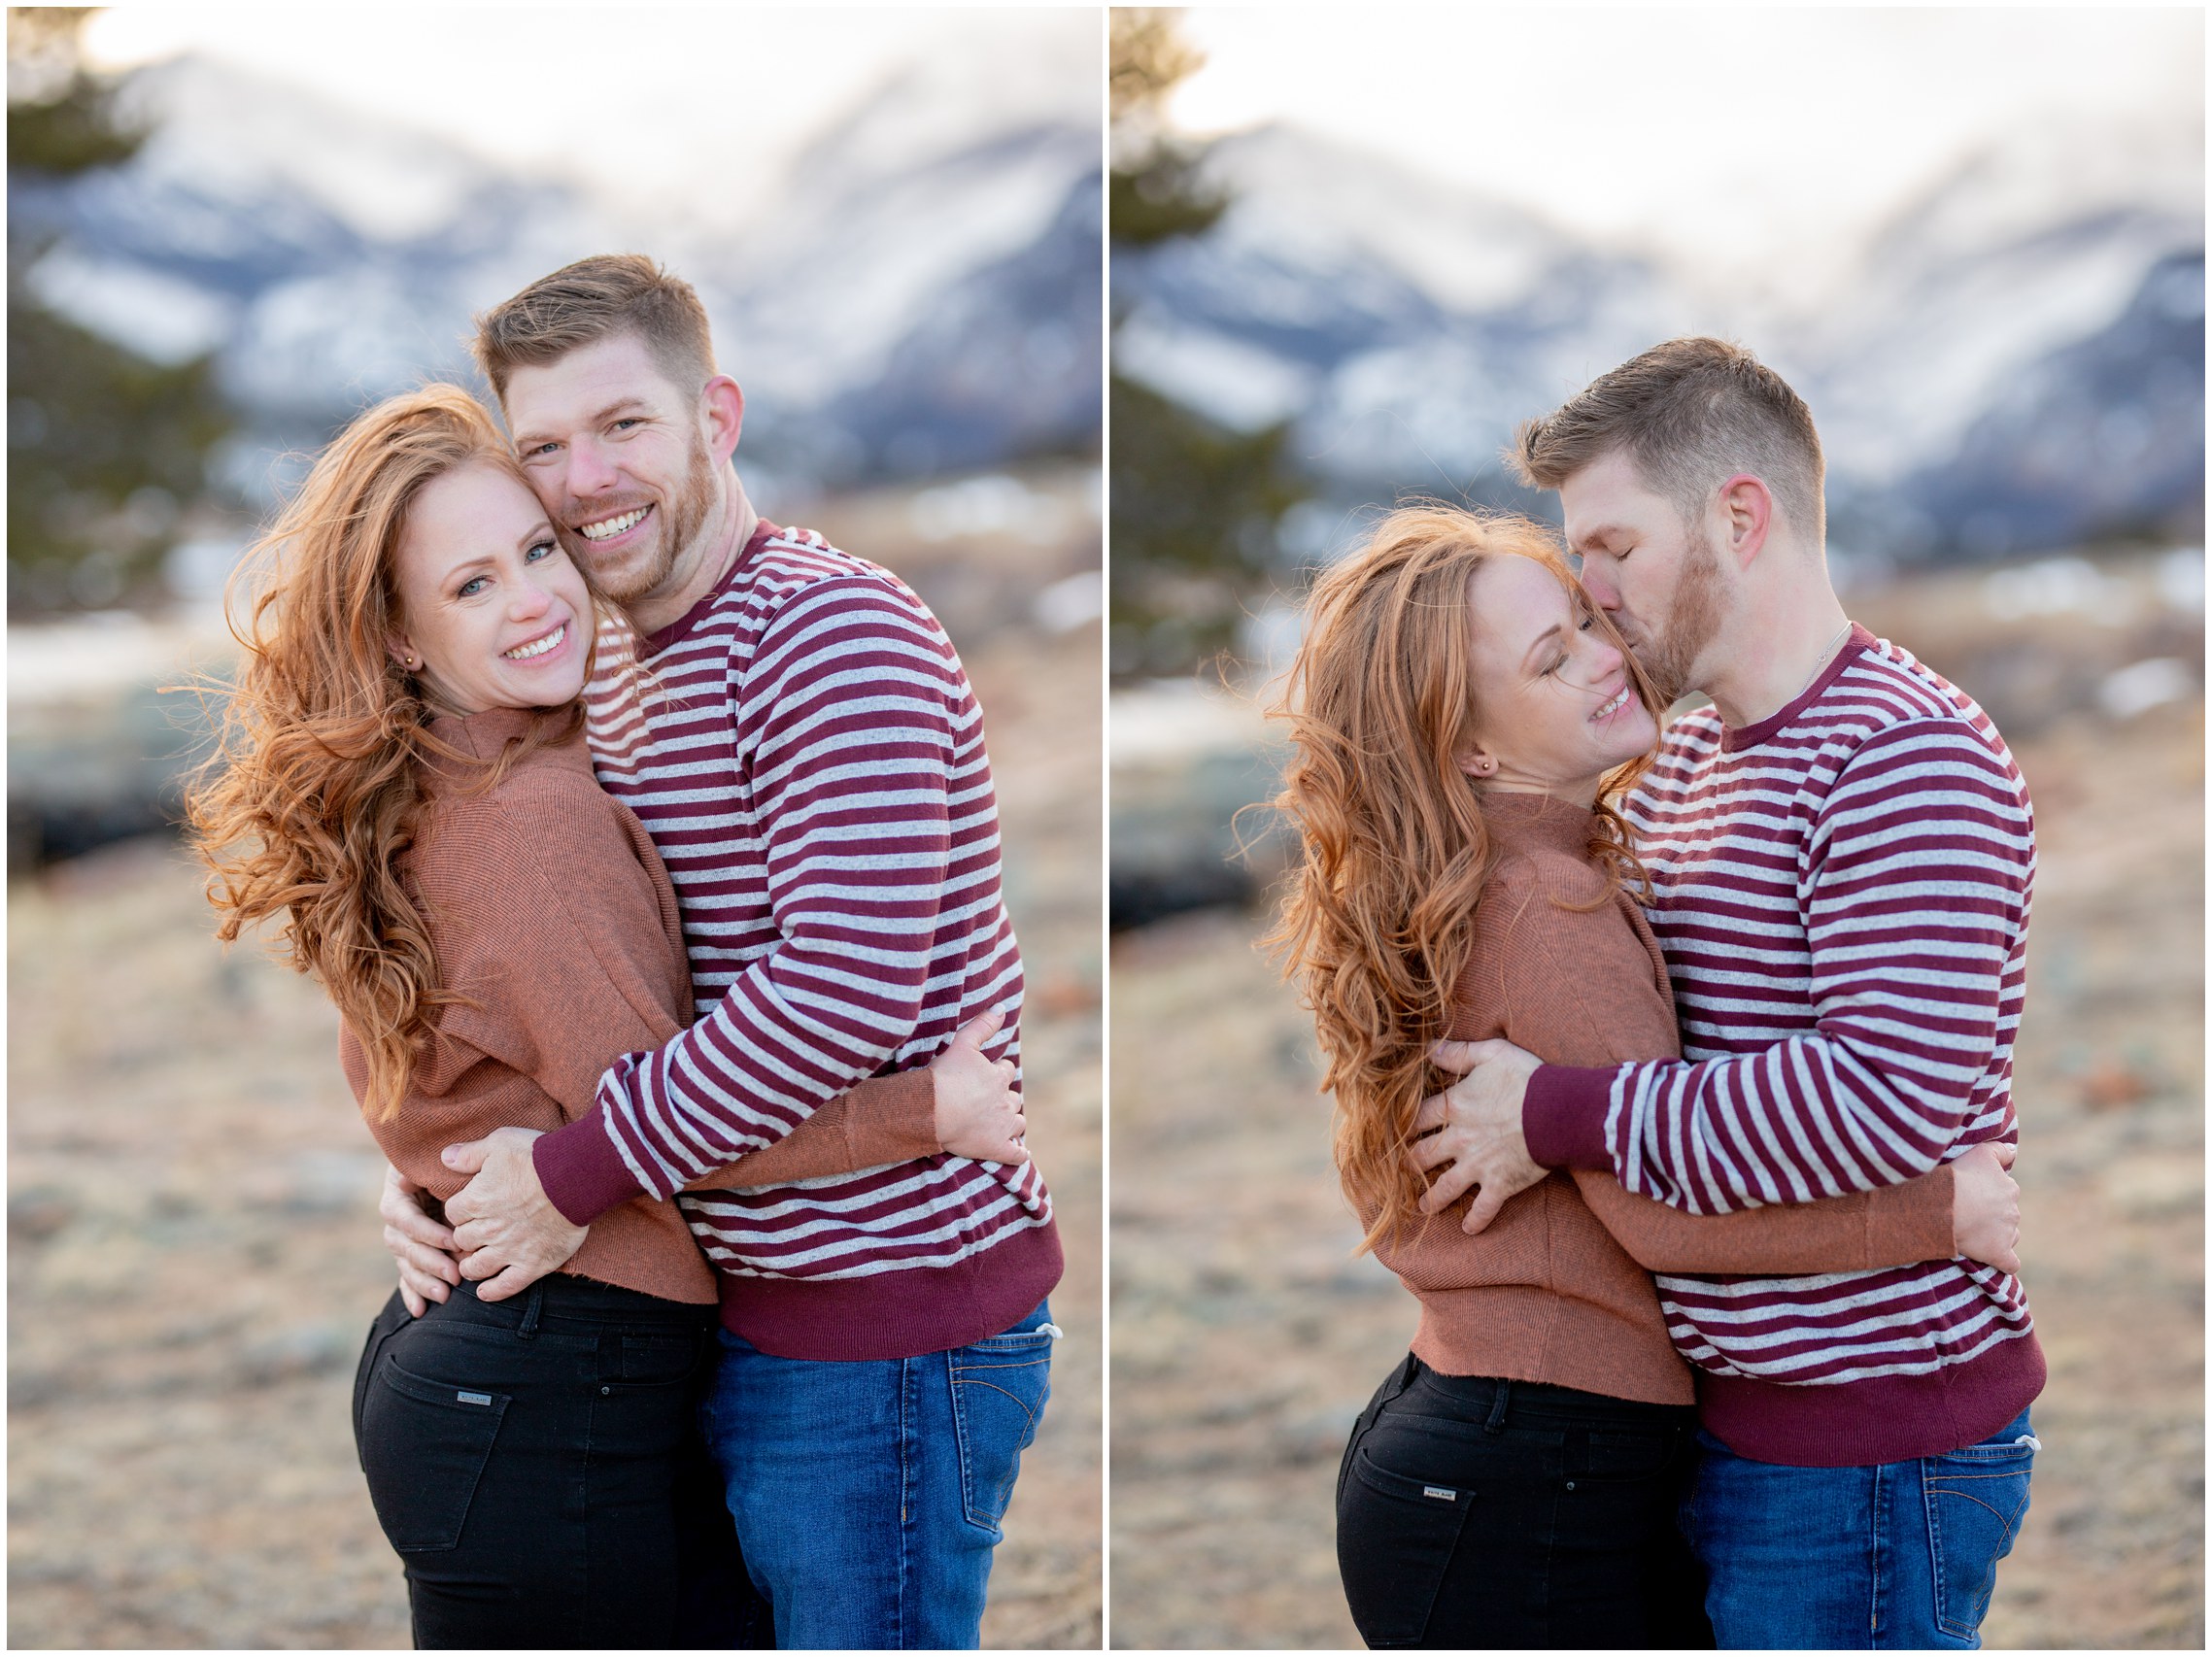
(537, 1463)
(1487, 1513)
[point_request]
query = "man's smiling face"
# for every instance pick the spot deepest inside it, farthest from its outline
(616, 452)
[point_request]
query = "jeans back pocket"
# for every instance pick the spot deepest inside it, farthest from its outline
(425, 1445)
(1395, 1538)
(998, 1390)
(1976, 1500)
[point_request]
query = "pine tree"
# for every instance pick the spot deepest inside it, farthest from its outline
(105, 448)
(1195, 504)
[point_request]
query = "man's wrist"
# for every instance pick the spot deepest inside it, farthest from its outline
(581, 1171)
(1562, 1117)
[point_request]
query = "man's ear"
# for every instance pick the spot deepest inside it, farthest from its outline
(1747, 512)
(722, 412)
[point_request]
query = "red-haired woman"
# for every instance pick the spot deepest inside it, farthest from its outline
(1460, 715)
(402, 779)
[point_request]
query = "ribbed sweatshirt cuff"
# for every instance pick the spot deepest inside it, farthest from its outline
(1562, 1117)
(581, 1172)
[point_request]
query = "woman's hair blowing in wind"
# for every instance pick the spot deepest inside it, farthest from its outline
(314, 784)
(1378, 919)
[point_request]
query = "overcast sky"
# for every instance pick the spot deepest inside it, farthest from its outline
(636, 98)
(1760, 129)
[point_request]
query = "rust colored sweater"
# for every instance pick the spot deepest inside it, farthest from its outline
(1558, 1288)
(547, 905)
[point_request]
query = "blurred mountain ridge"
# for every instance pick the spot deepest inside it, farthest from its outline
(328, 256)
(2012, 362)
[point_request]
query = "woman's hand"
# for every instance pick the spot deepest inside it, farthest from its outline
(978, 1112)
(421, 1244)
(1985, 1206)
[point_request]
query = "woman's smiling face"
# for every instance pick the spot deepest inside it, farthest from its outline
(493, 614)
(1555, 705)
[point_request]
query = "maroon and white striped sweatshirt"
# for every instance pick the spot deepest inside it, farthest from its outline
(1842, 895)
(807, 754)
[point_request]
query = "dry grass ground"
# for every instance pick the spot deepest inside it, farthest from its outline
(1245, 1338)
(195, 1251)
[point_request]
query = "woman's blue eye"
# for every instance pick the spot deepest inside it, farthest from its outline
(540, 549)
(468, 589)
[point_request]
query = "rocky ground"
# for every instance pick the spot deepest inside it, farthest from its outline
(193, 1248)
(1246, 1338)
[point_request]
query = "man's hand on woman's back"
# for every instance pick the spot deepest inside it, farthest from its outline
(421, 1243)
(507, 1230)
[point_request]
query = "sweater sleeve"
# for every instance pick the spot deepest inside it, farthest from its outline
(1861, 1231)
(545, 872)
(1914, 893)
(853, 711)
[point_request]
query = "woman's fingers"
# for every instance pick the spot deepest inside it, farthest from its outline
(978, 1031)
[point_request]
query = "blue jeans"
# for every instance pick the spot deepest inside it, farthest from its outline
(867, 1495)
(1899, 1557)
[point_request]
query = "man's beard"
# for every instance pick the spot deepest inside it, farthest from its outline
(681, 518)
(1670, 659)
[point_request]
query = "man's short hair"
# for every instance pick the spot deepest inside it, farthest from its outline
(590, 300)
(1691, 414)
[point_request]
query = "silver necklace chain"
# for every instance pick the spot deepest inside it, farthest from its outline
(1827, 656)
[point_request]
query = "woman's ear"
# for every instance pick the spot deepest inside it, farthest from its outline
(402, 652)
(1477, 763)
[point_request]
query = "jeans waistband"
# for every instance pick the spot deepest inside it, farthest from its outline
(1492, 1401)
(561, 1299)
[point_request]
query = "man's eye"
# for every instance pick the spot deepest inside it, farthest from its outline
(540, 451)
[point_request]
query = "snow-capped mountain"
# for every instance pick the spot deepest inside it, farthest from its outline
(2016, 359)
(328, 257)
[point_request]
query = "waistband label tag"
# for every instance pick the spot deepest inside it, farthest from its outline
(472, 1398)
(1442, 1495)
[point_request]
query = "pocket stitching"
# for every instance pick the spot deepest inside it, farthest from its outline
(436, 1395)
(1934, 1485)
(956, 1380)
(1370, 1474)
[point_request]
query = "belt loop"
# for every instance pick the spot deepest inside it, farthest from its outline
(1499, 1400)
(528, 1327)
(1404, 1378)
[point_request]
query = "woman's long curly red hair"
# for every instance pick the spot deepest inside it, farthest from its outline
(1378, 919)
(315, 786)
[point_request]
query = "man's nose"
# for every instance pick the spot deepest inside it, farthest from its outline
(1598, 584)
(589, 471)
